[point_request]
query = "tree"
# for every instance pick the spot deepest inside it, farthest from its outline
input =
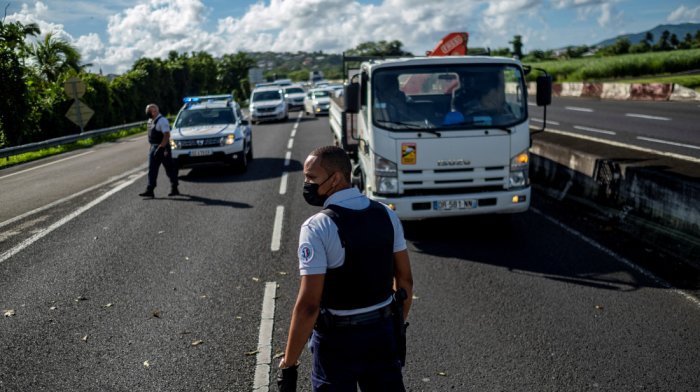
(674, 41)
(649, 38)
(517, 46)
(662, 44)
(232, 74)
(642, 47)
(502, 52)
(697, 35)
(53, 56)
(381, 48)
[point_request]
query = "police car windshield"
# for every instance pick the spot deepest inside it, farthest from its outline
(203, 117)
(295, 90)
(321, 94)
(266, 96)
(448, 98)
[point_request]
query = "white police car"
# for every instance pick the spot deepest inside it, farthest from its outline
(267, 103)
(211, 129)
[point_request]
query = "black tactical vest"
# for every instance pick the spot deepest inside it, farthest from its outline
(366, 278)
(154, 137)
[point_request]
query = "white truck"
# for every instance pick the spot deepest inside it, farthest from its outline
(439, 136)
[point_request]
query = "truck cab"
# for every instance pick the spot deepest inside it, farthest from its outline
(440, 136)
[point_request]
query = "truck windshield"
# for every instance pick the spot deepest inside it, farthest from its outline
(266, 96)
(448, 98)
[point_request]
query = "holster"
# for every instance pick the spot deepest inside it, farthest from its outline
(324, 322)
(399, 325)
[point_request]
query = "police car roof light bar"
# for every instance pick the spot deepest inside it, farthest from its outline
(209, 97)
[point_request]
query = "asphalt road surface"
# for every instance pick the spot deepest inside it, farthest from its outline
(105, 291)
(664, 126)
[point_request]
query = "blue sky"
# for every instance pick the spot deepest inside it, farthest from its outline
(114, 33)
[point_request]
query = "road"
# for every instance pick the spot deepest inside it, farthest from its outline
(110, 291)
(664, 126)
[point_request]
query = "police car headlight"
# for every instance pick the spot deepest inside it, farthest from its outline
(174, 144)
(228, 140)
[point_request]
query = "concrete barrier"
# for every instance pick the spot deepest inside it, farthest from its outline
(616, 91)
(634, 189)
(592, 90)
(684, 94)
(650, 91)
(571, 89)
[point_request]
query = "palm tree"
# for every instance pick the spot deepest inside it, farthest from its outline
(53, 56)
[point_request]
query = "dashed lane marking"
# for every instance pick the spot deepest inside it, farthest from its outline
(665, 142)
(294, 132)
(623, 145)
(68, 218)
(277, 229)
(594, 130)
(290, 143)
(548, 121)
(578, 109)
(261, 382)
(287, 158)
(283, 183)
(648, 117)
(115, 178)
(619, 258)
(47, 164)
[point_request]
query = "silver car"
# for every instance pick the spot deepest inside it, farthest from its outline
(317, 101)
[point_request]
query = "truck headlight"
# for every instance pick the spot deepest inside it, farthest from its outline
(228, 140)
(385, 175)
(174, 144)
(519, 170)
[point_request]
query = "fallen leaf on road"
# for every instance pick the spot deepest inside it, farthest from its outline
(238, 287)
(598, 307)
(197, 342)
(155, 314)
(252, 352)
(52, 308)
(9, 313)
(81, 298)
(108, 305)
(414, 297)
(187, 258)
(186, 332)
(146, 364)
(85, 338)
(239, 317)
(275, 297)
(283, 273)
(202, 296)
(95, 237)
(256, 279)
(280, 355)
(51, 302)
(161, 232)
(442, 374)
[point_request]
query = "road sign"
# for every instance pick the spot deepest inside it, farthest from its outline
(84, 115)
(74, 86)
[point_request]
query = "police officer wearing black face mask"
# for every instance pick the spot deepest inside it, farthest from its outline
(159, 152)
(352, 258)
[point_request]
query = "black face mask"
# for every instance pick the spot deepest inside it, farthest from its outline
(311, 193)
(149, 115)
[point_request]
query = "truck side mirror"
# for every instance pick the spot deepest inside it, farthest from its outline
(351, 97)
(544, 90)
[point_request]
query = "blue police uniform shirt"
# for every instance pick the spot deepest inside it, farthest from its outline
(320, 247)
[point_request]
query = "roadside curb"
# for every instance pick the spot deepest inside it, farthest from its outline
(653, 205)
(623, 91)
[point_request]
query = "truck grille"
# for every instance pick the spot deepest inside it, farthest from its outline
(194, 143)
(449, 181)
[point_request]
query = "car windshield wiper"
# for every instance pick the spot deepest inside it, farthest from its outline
(416, 126)
(477, 122)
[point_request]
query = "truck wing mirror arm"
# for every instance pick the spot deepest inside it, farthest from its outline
(544, 98)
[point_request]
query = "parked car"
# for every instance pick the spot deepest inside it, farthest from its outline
(317, 101)
(294, 95)
(211, 129)
(268, 104)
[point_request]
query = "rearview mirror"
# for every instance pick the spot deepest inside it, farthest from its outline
(351, 97)
(544, 90)
(245, 121)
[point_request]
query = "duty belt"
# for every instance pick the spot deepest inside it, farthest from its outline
(362, 318)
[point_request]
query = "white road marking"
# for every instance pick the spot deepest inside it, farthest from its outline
(619, 258)
(548, 121)
(578, 109)
(294, 132)
(261, 382)
(594, 130)
(112, 179)
(531, 104)
(623, 145)
(68, 218)
(648, 117)
(277, 229)
(296, 125)
(301, 114)
(283, 183)
(47, 164)
(287, 158)
(290, 144)
(665, 142)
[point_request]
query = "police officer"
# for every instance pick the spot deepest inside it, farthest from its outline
(352, 257)
(159, 151)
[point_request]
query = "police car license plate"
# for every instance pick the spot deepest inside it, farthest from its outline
(447, 205)
(200, 153)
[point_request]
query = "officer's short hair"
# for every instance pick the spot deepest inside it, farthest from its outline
(152, 105)
(334, 159)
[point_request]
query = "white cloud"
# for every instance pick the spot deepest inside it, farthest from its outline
(609, 17)
(38, 14)
(684, 14)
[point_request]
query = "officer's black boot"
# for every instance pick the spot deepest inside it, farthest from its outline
(173, 191)
(148, 192)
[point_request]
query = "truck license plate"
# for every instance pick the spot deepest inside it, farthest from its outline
(448, 205)
(200, 153)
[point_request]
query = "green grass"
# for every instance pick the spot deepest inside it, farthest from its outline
(690, 81)
(624, 66)
(47, 152)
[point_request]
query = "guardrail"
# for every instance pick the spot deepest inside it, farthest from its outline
(11, 151)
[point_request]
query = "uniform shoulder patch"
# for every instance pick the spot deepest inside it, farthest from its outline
(306, 252)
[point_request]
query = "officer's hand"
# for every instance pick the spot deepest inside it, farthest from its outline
(287, 379)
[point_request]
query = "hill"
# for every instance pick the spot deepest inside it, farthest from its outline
(679, 30)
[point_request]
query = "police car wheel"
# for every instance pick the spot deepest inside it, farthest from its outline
(249, 154)
(240, 165)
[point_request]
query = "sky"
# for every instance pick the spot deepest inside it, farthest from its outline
(112, 34)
